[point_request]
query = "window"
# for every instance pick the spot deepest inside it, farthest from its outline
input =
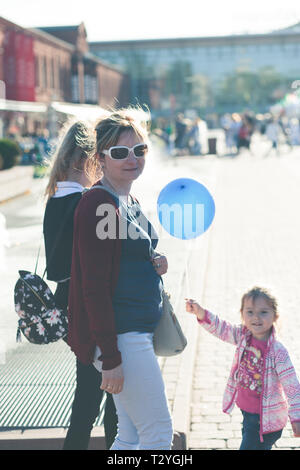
(37, 71)
(53, 70)
(44, 72)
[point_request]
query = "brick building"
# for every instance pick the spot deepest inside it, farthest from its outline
(52, 65)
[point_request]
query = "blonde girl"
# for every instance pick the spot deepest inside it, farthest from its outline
(262, 382)
(72, 169)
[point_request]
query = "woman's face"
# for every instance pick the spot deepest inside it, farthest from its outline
(127, 170)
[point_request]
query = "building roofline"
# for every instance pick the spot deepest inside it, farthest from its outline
(37, 33)
(51, 38)
(270, 35)
(90, 56)
(57, 28)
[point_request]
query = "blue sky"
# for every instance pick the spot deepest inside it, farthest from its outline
(138, 19)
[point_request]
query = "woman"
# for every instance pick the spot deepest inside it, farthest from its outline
(68, 178)
(116, 287)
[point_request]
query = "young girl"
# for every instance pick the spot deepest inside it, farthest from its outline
(261, 370)
(73, 169)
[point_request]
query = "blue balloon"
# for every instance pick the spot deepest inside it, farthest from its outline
(185, 208)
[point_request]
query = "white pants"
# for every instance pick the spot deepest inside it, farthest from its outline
(144, 420)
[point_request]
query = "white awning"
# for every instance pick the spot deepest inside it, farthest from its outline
(91, 112)
(80, 111)
(22, 106)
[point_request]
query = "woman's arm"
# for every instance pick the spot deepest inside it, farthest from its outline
(97, 258)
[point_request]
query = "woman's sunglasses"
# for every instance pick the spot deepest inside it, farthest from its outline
(120, 152)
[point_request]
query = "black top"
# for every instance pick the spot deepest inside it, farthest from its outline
(58, 235)
(137, 298)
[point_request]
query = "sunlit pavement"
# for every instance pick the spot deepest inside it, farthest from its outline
(254, 240)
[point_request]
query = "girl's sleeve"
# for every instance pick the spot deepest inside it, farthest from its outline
(221, 328)
(289, 381)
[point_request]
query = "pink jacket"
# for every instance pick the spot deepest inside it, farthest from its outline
(280, 397)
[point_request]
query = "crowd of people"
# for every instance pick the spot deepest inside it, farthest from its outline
(183, 135)
(239, 129)
(35, 147)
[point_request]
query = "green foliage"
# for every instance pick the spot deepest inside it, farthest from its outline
(252, 89)
(177, 82)
(40, 171)
(10, 153)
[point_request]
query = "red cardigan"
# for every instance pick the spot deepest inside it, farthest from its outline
(94, 274)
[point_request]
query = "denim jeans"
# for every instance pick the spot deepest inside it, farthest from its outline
(86, 407)
(250, 433)
(144, 420)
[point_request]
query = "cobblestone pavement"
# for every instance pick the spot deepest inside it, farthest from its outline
(254, 241)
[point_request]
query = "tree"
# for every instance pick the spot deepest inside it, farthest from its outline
(176, 82)
(201, 93)
(255, 90)
(10, 154)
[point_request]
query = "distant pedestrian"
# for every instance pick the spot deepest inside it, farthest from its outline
(68, 178)
(294, 131)
(263, 382)
(244, 135)
(180, 131)
(273, 132)
(193, 136)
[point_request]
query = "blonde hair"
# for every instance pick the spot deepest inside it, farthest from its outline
(110, 127)
(77, 144)
(260, 292)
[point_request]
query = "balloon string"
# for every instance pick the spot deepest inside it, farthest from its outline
(187, 276)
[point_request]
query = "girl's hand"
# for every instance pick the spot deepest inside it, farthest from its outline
(112, 380)
(193, 307)
(160, 264)
(296, 428)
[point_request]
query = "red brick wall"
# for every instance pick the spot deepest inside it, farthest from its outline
(113, 85)
(53, 72)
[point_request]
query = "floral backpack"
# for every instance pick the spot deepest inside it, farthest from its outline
(40, 321)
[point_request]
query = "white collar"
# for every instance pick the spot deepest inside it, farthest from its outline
(64, 188)
(69, 184)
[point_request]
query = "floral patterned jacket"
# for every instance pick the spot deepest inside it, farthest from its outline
(280, 397)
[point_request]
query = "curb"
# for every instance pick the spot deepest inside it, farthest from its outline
(53, 439)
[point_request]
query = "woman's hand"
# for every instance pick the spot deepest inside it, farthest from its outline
(193, 307)
(113, 380)
(160, 264)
